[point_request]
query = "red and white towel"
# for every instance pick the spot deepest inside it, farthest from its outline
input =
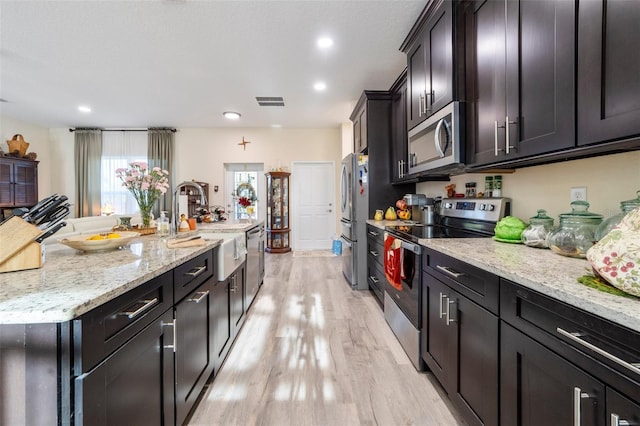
(393, 261)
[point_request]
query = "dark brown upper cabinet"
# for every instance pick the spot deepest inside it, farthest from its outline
(608, 71)
(399, 146)
(430, 62)
(520, 67)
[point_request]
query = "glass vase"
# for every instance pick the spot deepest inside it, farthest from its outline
(145, 213)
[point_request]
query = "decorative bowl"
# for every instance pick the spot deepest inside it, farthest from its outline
(83, 243)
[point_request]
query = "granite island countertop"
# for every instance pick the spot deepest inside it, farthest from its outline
(229, 226)
(540, 270)
(71, 283)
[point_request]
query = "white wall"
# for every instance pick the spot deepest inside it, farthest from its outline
(38, 138)
(609, 180)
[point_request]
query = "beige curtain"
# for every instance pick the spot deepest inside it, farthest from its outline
(88, 156)
(160, 154)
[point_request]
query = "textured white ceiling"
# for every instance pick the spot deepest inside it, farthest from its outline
(182, 63)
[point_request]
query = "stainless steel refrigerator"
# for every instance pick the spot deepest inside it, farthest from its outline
(358, 204)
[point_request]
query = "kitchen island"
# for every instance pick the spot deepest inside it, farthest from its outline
(91, 337)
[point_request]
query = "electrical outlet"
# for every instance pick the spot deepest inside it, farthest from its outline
(579, 193)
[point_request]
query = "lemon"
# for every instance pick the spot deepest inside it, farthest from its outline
(113, 235)
(96, 237)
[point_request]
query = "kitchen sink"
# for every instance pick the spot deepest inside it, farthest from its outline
(231, 253)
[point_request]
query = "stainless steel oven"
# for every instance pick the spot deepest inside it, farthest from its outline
(458, 218)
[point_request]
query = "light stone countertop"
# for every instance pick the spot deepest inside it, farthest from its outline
(540, 270)
(71, 283)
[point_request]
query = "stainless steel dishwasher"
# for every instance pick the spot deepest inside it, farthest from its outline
(255, 262)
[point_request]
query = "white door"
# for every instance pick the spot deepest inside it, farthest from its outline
(313, 210)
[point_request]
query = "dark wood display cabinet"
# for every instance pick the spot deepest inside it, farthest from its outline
(18, 183)
(278, 212)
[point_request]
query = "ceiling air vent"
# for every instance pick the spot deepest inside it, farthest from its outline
(270, 101)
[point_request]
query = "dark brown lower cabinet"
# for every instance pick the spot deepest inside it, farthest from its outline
(540, 388)
(221, 322)
(194, 352)
(460, 347)
(237, 298)
(134, 385)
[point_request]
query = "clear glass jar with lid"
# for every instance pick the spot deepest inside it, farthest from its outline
(535, 235)
(611, 222)
(576, 232)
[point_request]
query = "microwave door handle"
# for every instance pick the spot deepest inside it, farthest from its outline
(437, 141)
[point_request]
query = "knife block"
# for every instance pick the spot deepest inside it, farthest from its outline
(18, 251)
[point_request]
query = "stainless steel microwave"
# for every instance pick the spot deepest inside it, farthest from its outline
(436, 143)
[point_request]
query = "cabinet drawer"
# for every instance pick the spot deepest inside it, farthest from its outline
(376, 279)
(188, 276)
(607, 350)
(375, 250)
(478, 285)
(105, 328)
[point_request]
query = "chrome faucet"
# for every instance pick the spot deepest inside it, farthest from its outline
(203, 199)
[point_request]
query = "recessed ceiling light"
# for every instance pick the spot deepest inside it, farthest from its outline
(230, 115)
(276, 126)
(324, 42)
(320, 86)
(84, 108)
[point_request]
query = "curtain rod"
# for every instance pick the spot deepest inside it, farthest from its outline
(126, 130)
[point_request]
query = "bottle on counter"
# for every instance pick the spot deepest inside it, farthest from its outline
(497, 186)
(184, 224)
(488, 186)
(163, 225)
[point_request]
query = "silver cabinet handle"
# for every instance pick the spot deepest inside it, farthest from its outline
(202, 294)
(616, 421)
(171, 324)
(449, 271)
(148, 304)
(373, 233)
(442, 297)
(420, 103)
(507, 144)
(576, 338)
(448, 312)
(373, 253)
(374, 279)
(578, 395)
(196, 271)
(495, 137)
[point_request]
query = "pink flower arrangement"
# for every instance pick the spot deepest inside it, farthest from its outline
(146, 185)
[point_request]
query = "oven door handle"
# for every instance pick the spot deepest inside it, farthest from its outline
(413, 248)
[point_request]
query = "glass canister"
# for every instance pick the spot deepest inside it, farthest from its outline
(576, 232)
(540, 225)
(611, 222)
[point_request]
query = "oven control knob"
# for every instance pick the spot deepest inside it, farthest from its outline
(491, 207)
(482, 206)
(448, 205)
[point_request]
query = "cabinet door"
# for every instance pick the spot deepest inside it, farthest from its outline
(417, 82)
(540, 388)
(540, 57)
(486, 89)
(436, 335)
(608, 70)
(520, 78)
(194, 347)
(430, 66)
(399, 147)
(439, 59)
(133, 386)
(221, 322)
(237, 299)
(6, 183)
(474, 375)
(621, 409)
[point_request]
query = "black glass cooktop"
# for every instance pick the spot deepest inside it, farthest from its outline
(415, 232)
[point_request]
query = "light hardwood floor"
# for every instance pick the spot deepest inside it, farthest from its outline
(314, 352)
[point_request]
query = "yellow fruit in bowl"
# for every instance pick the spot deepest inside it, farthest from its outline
(96, 237)
(112, 235)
